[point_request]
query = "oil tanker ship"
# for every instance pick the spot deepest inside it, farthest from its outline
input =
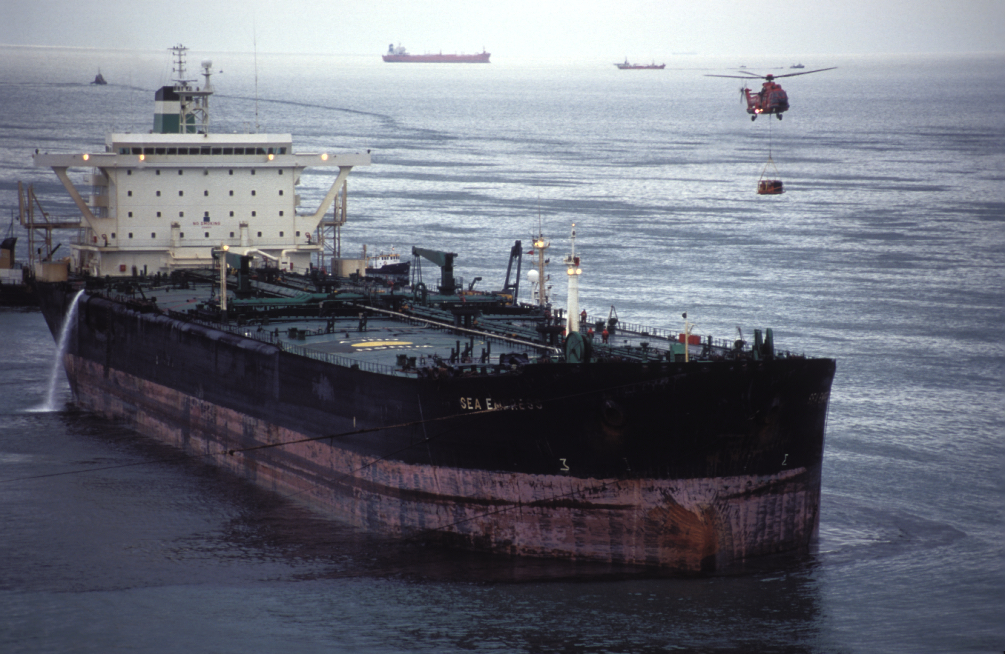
(400, 55)
(424, 408)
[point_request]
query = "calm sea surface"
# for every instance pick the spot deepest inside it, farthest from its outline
(887, 252)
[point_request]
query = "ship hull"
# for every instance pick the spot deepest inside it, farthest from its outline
(480, 58)
(695, 467)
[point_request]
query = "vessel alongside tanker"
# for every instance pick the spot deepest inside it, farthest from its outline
(199, 311)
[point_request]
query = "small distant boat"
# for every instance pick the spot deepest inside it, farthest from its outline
(400, 55)
(99, 79)
(628, 66)
(797, 66)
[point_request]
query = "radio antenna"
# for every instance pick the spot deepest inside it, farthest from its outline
(254, 42)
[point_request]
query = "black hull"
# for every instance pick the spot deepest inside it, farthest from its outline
(694, 466)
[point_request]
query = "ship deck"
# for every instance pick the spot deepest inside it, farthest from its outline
(360, 333)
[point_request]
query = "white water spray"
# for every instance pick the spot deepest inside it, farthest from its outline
(57, 364)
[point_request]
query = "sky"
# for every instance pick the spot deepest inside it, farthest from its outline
(551, 29)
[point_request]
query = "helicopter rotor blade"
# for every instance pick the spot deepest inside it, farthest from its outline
(733, 76)
(818, 70)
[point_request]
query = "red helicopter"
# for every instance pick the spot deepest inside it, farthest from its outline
(771, 99)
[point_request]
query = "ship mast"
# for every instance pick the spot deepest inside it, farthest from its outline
(193, 113)
(573, 271)
(540, 245)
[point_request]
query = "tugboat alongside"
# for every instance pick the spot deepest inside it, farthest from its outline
(428, 409)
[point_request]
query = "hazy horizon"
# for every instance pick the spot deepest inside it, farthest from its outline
(637, 29)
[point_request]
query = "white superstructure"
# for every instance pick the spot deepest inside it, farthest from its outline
(162, 201)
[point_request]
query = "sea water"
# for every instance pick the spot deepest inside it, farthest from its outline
(886, 252)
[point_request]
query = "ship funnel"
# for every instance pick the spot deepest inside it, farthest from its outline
(180, 108)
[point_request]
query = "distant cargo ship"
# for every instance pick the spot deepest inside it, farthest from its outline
(400, 55)
(652, 66)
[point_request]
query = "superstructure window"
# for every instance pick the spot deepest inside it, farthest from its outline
(130, 214)
(158, 214)
(206, 192)
(252, 192)
(231, 194)
(153, 234)
(280, 213)
(130, 234)
(280, 234)
(157, 172)
(158, 193)
(181, 214)
(181, 172)
(280, 191)
(181, 193)
(231, 214)
(259, 235)
(129, 193)
(129, 172)
(207, 234)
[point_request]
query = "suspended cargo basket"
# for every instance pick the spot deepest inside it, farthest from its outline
(769, 186)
